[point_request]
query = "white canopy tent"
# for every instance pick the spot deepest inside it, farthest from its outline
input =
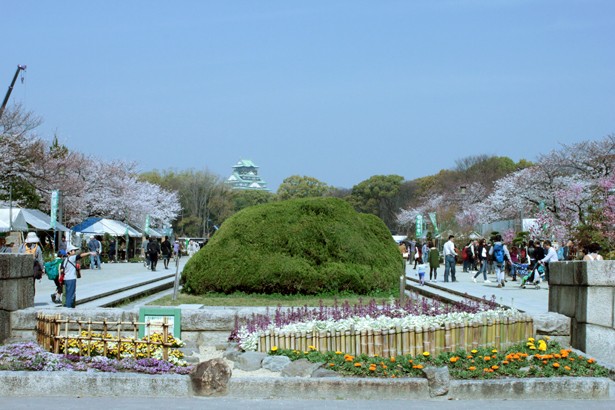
(101, 226)
(18, 220)
(40, 221)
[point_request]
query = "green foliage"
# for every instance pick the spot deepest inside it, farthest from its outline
(302, 246)
(245, 198)
(379, 196)
(302, 187)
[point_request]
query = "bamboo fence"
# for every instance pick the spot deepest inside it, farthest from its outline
(52, 333)
(498, 333)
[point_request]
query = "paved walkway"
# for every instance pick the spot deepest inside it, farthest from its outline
(530, 300)
(111, 277)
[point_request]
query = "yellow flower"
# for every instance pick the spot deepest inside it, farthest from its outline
(530, 339)
(426, 354)
(274, 349)
(338, 352)
(311, 348)
(494, 351)
(532, 347)
(542, 345)
(474, 351)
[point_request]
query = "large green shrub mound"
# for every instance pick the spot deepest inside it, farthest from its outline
(303, 246)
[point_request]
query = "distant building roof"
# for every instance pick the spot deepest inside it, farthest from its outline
(245, 176)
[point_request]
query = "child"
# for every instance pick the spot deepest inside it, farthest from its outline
(422, 269)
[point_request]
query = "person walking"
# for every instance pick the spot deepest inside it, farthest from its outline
(501, 256)
(70, 268)
(153, 249)
(449, 259)
(434, 262)
(481, 252)
(166, 249)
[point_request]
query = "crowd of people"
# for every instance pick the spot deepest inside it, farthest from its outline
(482, 257)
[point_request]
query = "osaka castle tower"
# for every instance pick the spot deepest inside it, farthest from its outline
(245, 176)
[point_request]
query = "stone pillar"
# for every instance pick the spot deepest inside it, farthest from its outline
(585, 292)
(16, 288)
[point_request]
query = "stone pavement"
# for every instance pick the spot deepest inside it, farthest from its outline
(530, 300)
(112, 278)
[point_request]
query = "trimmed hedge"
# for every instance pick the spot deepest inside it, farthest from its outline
(305, 246)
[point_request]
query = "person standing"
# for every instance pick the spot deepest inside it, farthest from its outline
(165, 248)
(62, 245)
(434, 262)
(425, 252)
(449, 259)
(177, 249)
(551, 256)
(4, 248)
(500, 255)
(144, 247)
(153, 249)
(94, 252)
(69, 267)
(32, 246)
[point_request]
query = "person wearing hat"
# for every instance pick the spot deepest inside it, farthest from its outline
(31, 246)
(56, 297)
(69, 267)
(4, 247)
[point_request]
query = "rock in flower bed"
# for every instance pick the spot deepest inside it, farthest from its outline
(30, 356)
(540, 358)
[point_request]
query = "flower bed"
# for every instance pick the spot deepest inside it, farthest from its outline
(386, 330)
(540, 358)
(30, 356)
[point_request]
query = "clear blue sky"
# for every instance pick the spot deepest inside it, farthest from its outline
(336, 90)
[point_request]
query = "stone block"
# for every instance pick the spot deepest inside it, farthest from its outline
(14, 266)
(250, 361)
(552, 324)
(5, 325)
(438, 379)
(595, 305)
(16, 293)
(599, 342)
(598, 273)
(566, 300)
(300, 368)
(577, 334)
(275, 363)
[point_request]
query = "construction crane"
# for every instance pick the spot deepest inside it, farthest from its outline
(8, 93)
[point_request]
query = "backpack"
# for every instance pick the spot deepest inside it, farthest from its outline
(52, 268)
(498, 252)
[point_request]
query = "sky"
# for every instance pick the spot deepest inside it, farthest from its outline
(338, 90)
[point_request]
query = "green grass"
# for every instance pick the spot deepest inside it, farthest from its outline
(244, 299)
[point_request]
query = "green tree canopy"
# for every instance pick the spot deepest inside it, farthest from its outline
(379, 196)
(302, 187)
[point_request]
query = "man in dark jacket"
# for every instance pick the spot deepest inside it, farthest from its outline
(153, 249)
(166, 249)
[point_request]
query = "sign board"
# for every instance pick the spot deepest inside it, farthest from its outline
(155, 316)
(55, 195)
(419, 226)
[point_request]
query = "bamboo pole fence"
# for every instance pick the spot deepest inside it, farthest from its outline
(499, 333)
(57, 334)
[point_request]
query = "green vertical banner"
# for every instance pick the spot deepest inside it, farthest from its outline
(419, 226)
(432, 216)
(146, 229)
(55, 195)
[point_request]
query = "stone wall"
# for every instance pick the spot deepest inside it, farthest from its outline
(585, 292)
(16, 288)
(206, 326)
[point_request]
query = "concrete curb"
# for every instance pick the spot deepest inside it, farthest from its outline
(76, 384)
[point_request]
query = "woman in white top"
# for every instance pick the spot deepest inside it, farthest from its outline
(591, 253)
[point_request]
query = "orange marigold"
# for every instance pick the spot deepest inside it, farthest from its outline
(567, 368)
(472, 368)
(495, 367)
(590, 361)
(357, 364)
(393, 359)
(556, 365)
(417, 366)
(453, 359)
(487, 358)
(505, 362)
